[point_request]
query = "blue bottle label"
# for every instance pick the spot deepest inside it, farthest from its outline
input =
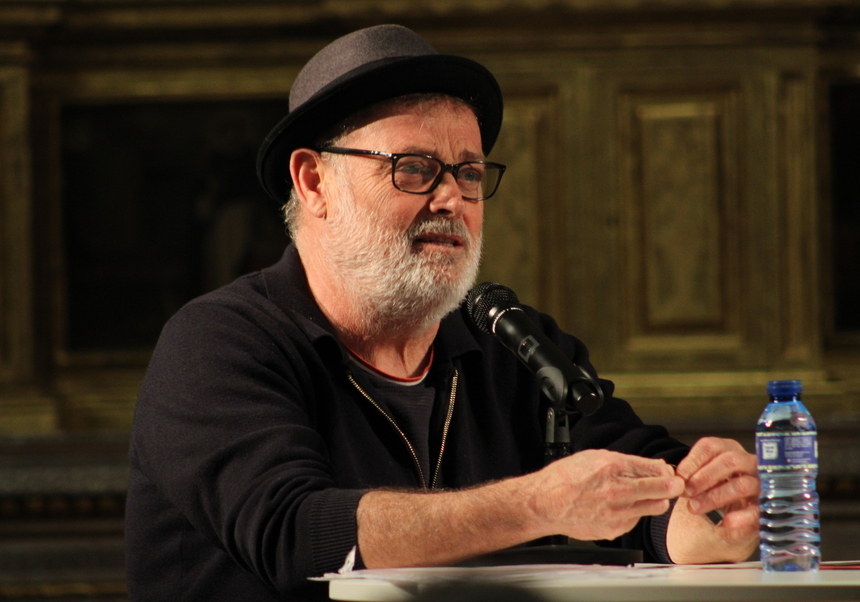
(787, 450)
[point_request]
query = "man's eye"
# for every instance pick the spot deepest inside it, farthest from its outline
(423, 169)
(470, 173)
(410, 168)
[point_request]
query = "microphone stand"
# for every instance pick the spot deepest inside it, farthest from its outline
(557, 436)
(565, 391)
(575, 392)
(571, 391)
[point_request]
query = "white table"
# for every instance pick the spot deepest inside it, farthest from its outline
(564, 583)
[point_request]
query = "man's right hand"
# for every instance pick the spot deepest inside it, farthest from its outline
(593, 494)
(599, 494)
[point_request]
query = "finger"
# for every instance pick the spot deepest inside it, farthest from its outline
(741, 522)
(719, 469)
(739, 489)
(628, 492)
(698, 455)
(650, 507)
(705, 450)
(712, 460)
(636, 467)
(619, 521)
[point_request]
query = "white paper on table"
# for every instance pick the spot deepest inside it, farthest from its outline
(499, 574)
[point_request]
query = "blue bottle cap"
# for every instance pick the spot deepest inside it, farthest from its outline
(784, 387)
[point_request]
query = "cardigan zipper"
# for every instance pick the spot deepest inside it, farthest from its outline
(451, 398)
(403, 436)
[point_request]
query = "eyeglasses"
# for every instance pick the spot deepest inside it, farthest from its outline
(421, 174)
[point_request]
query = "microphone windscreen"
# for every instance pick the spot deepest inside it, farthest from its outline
(481, 300)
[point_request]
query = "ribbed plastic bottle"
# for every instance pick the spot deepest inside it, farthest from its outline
(787, 449)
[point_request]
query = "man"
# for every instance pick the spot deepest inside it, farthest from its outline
(339, 405)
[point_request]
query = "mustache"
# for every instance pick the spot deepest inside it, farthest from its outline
(437, 224)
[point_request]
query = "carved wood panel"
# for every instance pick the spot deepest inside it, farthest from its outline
(700, 201)
(667, 183)
(679, 201)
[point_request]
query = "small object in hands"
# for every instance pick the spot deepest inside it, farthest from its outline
(716, 516)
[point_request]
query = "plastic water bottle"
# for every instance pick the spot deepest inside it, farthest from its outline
(787, 449)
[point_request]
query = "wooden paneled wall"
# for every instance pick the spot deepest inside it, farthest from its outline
(661, 199)
(662, 206)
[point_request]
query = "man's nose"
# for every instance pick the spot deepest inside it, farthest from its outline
(447, 198)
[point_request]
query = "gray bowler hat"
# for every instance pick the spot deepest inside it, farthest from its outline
(360, 69)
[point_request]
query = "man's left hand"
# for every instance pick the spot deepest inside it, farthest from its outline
(719, 475)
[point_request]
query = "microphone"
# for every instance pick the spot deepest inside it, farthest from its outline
(496, 310)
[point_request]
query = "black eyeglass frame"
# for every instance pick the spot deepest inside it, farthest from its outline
(446, 168)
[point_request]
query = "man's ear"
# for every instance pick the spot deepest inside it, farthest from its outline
(305, 171)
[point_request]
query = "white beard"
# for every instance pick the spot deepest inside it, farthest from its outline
(394, 283)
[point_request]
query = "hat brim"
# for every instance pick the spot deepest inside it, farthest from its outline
(437, 73)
